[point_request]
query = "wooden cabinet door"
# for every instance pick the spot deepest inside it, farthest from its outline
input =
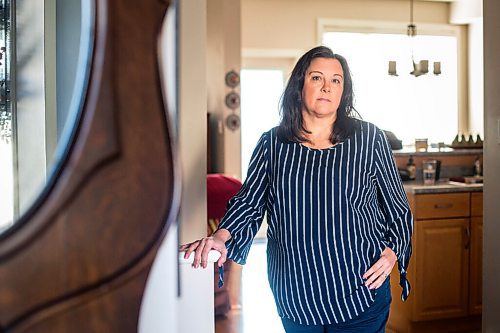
(476, 204)
(442, 269)
(476, 266)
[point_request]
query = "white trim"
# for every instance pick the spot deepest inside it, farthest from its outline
(279, 59)
(371, 26)
(271, 53)
(196, 296)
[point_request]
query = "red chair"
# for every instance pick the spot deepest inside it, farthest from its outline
(220, 189)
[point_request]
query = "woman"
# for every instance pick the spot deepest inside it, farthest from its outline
(338, 216)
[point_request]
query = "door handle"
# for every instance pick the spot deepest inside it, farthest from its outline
(443, 206)
(467, 237)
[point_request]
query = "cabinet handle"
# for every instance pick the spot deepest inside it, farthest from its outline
(443, 206)
(467, 237)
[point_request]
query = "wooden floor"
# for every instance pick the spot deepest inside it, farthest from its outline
(258, 311)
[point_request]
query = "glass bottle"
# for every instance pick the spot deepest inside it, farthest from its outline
(411, 168)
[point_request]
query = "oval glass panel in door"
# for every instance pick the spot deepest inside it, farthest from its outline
(46, 48)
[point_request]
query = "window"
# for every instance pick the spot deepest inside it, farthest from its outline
(410, 107)
(261, 90)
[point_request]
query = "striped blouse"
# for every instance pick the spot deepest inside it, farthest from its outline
(331, 212)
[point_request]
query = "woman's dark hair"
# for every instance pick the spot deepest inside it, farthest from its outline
(291, 127)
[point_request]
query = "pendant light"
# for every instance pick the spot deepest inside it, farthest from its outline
(421, 67)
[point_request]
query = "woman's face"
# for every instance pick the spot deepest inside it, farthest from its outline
(323, 88)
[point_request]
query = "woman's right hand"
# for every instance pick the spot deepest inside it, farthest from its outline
(202, 247)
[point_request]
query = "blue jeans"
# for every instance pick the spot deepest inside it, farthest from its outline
(373, 320)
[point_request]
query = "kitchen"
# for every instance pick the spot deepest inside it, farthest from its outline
(217, 37)
(279, 50)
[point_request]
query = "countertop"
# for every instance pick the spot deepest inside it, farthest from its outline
(442, 186)
(437, 152)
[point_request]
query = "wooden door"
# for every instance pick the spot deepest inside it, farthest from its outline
(79, 259)
(442, 269)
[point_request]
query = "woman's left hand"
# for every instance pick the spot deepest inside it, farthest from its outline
(377, 274)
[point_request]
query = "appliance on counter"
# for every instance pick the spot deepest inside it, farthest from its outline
(395, 143)
(404, 174)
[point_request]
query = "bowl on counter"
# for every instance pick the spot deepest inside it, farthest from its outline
(467, 180)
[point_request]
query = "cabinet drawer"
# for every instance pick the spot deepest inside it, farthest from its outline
(442, 205)
(476, 204)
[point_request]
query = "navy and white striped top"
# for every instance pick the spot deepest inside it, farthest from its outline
(331, 212)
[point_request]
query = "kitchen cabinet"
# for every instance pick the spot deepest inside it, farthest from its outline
(445, 267)
(476, 254)
(442, 266)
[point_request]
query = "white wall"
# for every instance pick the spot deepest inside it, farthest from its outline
(476, 78)
(162, 309)
(466, 11)
(491, 228)
(291, 24)
(470, 12)
(223, 55)
(159, 307)
(192, 118)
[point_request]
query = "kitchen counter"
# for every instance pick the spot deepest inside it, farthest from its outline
(444, 186)
(433, 152)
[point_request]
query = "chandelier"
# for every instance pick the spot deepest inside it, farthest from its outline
(421, 67)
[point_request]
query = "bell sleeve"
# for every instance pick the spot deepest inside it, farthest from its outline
(246, 209)
(396, 210)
